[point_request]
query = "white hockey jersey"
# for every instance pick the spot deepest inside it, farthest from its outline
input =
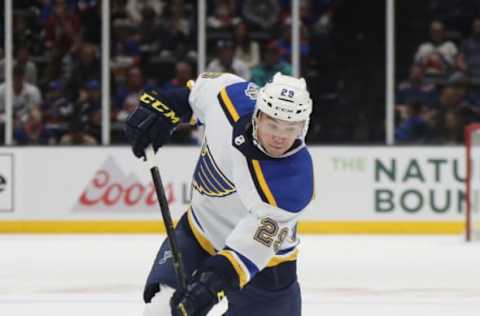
(245, 204)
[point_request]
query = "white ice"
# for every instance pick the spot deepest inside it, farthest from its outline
(80, 275)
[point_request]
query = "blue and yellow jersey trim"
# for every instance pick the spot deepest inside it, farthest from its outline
(244, 267)
(283, 256)
(208, 179)
(261, 184)
(235, 101)
(228, 107)
(286, 183)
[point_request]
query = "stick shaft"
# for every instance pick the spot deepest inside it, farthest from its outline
(167, 220)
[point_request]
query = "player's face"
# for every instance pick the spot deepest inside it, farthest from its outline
(277, 136)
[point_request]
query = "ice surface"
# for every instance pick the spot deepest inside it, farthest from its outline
(79, 275)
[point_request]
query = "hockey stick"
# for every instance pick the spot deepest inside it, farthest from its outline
(167, 219)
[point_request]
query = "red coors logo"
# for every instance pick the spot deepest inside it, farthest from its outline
(104, 190)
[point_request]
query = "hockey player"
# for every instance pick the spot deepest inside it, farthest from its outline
(253, 179)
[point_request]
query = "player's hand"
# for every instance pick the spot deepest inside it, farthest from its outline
(152, 122)
(200, 296)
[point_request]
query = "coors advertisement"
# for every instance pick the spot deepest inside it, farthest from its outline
(113, 189)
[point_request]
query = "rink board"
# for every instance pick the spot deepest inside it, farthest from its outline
(105, 189)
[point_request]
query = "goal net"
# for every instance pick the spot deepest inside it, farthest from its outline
(472, 182)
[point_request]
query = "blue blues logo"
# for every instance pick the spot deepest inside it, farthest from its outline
(208, 179)
(251, 91)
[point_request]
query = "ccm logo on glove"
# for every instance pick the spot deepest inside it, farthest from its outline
(160, 107)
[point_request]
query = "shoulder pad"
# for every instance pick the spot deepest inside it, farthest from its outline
(286, 183)
(237, 100)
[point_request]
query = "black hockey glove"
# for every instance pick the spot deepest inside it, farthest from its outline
(152, 122)
(202, 293)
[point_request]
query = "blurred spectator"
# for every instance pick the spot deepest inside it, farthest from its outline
(308, 14)
(262, 14)
(227, 62)
(61, 61)
(223, 18)
(452, 129)
(57, 108)
(118, 9)
(246, 49)
(270, 66)
(85, 65)
(61, 27)
(89, 12)
(126, 99)
(231, 4)
(413, 128)
(469, 57)
(23, 59)
(285, 42)
(59, 65)
(134, 8)
(76, 135)
(45, 10)
(323, 24)
(183, 73)
(437, 56)
(25, 95)
(314, 14)
(149, 28)
(22, 34)
(88, 108)
(456, 13)
(415, 88)
(32, 131)
(125, 44)
(450, 124)
(452, 96)
(177, 34)
(184, 132)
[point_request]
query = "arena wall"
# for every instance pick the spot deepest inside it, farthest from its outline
(105, 189)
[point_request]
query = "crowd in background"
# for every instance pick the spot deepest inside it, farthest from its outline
(56, 73)
(57, 58)
(154, 44)
(439, 93)
(57, 64)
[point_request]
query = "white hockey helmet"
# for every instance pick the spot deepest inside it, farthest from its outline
(285, 98)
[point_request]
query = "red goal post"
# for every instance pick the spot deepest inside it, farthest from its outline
(472, 179)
